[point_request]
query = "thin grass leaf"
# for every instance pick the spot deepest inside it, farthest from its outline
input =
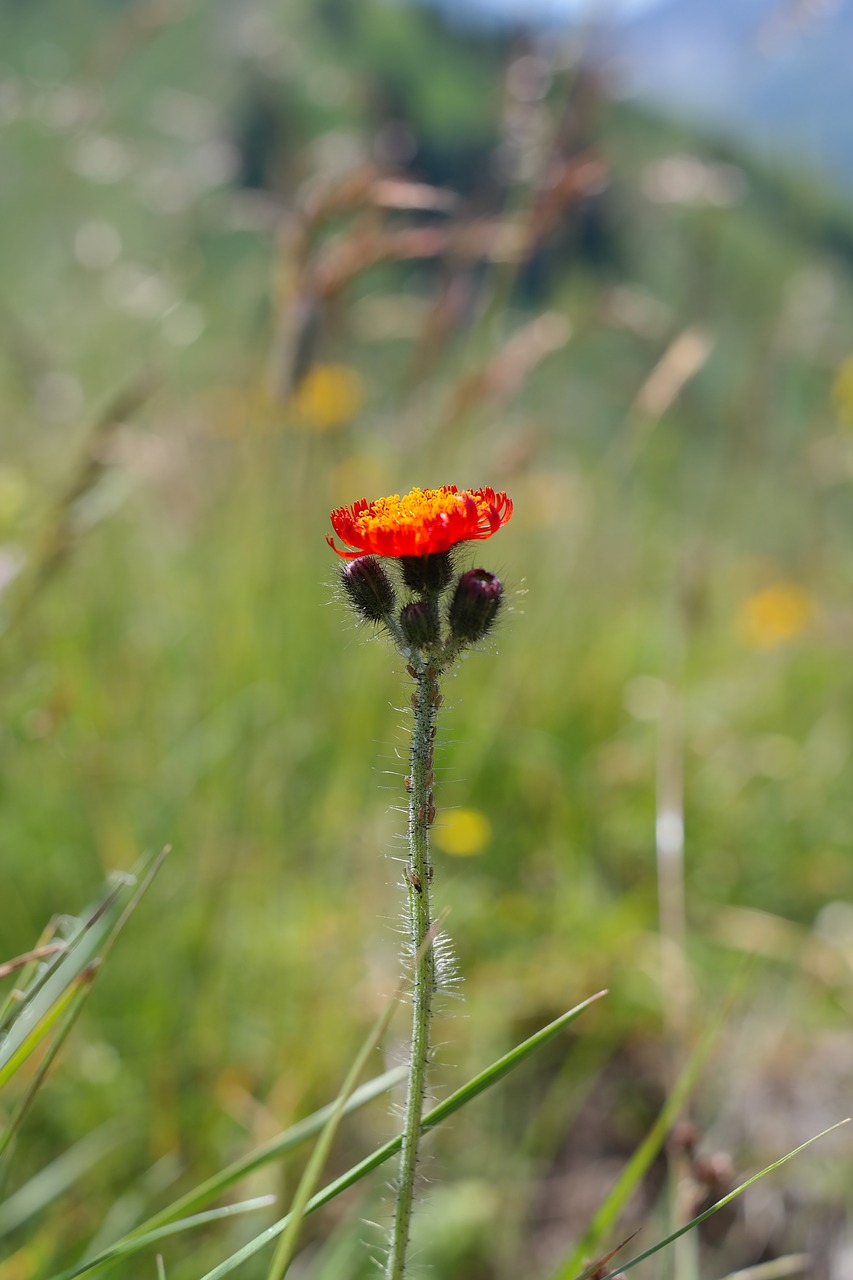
(98, 933)
(126, 1249)
(286, 1247)
(127, 1210)
(279, 1146)
(637, 1167)
(69, 1003)
(144, 884)
(306, 1129)
(341, 1251)
(41, 952)
(491, 1075)
(221, 1182)
(727, 1199)
(597, 1265)
(37, 974)
(61, 1174)
(12, 1001)
(502, 1066)
(78, 999)
(63, 1006)
(80, 985)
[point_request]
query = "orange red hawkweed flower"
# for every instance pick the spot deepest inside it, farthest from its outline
(422, 523)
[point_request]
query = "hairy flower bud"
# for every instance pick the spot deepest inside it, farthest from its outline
(475, 605)
(369, 588)
(427, 573)
(419, 624)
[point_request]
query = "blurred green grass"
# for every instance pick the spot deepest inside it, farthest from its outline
(189, 676)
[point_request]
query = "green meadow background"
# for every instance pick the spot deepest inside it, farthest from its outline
(261, 261)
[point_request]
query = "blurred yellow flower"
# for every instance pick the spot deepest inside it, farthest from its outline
(777, 614)
(328, 396)
(462, 832)
(842, 391)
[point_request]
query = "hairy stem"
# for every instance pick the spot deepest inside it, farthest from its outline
(425, 703)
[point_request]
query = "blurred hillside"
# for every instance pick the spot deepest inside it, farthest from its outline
(263, 260)
(774, 71)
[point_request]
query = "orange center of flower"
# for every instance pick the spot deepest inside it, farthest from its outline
(419, 513)
(422, 523)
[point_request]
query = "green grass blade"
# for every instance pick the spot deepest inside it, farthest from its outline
(78, 999)
(727, 1199)
(56, 1178)
(45, 950)
(142, 881)
(503, 1066)
(80, 984)
(68, 1003)
(126, 1248)
(289, 1239)
(279, 1146)
(56, 974)
(62, 998)
(221, 1182)
(466, 1094)
(147, 1233)
(128, 1208)
(639, 1163)
(96, 936)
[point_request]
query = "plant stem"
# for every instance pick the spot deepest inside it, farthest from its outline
(425, 702)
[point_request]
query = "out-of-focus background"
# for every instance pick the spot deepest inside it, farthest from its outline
(262, 259)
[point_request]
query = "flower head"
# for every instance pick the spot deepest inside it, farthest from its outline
(775, 615)
(328, 397)
(463, 833)
(423, 523)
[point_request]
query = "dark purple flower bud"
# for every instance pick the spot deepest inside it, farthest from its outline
(475, 605)
(369, 588)
(430, 573)
(419, 624)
